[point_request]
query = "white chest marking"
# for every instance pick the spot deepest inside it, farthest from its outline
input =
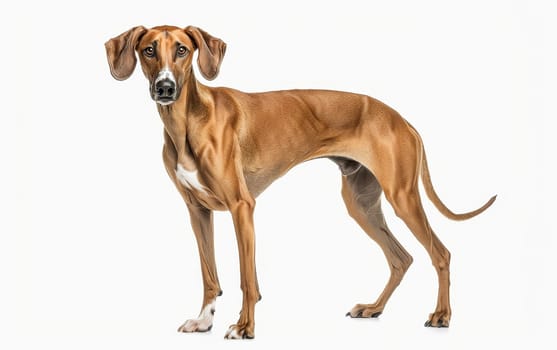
(189, 178)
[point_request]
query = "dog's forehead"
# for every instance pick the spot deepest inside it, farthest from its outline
(167, 33)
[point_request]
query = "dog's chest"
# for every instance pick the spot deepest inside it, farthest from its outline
(192, 183)
(189, 179)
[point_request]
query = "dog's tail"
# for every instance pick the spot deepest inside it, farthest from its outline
(432, 195)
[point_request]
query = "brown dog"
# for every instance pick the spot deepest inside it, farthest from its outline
(223, 147)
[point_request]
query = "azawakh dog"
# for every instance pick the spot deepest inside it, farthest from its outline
(223, 147)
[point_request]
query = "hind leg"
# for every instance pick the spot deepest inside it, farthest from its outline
(396, 162)
(361, 193)
(395, 157)
(398, 176)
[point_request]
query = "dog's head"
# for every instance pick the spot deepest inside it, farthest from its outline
(166, 55)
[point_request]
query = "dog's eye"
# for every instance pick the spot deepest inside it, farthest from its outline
(182, 51)
(149, 51)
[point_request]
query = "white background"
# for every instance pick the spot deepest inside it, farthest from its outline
(98, 252)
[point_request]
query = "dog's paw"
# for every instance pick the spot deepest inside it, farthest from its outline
(195, 325)
(365, 311)
(239, 332)
(439, 319)
(203, 323)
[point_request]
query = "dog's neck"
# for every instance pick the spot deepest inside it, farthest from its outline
(180, 116)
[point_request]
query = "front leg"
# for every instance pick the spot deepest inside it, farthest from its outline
(201, 220)
(202, 224)
(242, 216)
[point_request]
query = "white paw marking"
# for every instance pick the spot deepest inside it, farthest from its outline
(232, 334)
(202, 323)
(189, 178)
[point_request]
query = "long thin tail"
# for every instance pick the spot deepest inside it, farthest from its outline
(432, 195)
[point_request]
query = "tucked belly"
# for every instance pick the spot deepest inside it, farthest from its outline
(258, 181)
(260, 175)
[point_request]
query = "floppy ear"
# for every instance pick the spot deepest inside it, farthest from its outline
(211, 51)
(120, 52)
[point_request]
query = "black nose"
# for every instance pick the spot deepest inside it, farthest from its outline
(165, 88)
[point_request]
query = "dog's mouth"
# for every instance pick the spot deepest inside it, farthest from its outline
(164, 101)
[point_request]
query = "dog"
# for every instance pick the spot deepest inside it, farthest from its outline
(223, 147)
